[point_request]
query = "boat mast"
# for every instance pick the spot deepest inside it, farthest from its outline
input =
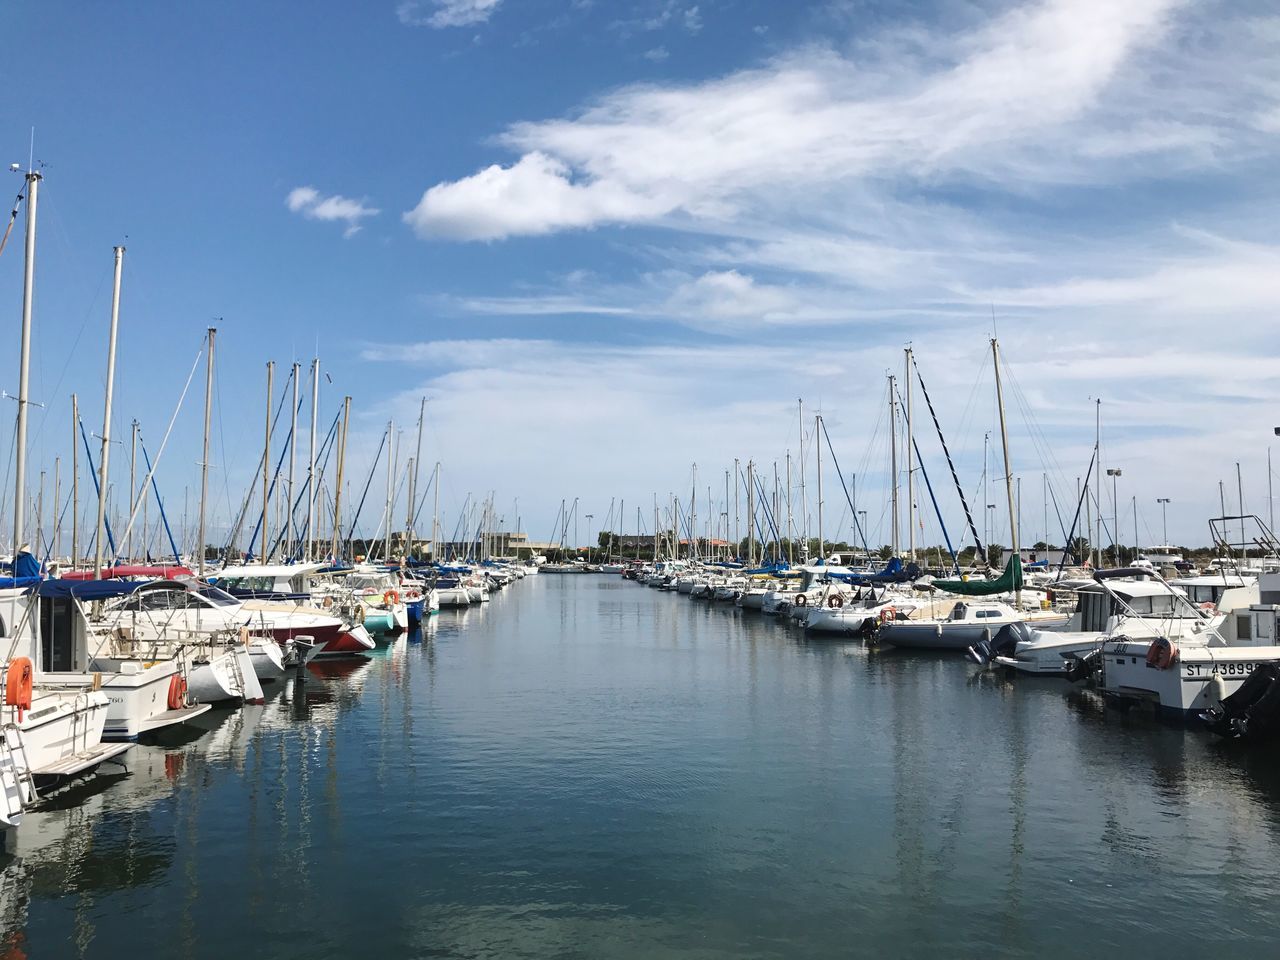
(311, 465)
(804, 503)
(911, 477)
(133, 500)
(391, 443)
(791, 533)
(737, 525)
(204, 460)
(751, 513)
(893, 465)
(338, 546)
(24, 363)
(266, 465)
(777, 504)
(413, 481)
(1095, 536)
(817, 437)
(75, 482)
(1008, 471)
(435, 516)
(291, 529)
(57, 507)
(106, 413)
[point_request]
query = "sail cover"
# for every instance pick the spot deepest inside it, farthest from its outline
(1007, 582)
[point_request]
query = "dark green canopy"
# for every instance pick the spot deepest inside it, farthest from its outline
(1007, 582)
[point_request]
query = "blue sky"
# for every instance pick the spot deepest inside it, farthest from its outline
(609, 240)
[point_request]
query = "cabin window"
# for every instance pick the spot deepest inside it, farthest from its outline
(987, 613)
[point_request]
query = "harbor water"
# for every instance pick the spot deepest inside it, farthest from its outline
(585, 767)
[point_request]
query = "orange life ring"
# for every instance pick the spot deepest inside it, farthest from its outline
(888, 613)
(1162, 653)
(177, 692)
(835, 601)
(801, 600)
(1209, 606)
(17, 685)
(391, 597)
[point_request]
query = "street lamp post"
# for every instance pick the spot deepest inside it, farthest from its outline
(1115, 512)
(1164, 518)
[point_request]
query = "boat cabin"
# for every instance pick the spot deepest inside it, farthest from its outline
(290, 581)
(978, 612)
(1147, 599)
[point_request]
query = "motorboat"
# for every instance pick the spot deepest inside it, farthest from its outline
(145, 690)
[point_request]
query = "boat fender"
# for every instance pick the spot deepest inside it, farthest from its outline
(1161, 654)
(17, 685)
(835, 601)
(801, 600)
(1217, 689)
(177, 692)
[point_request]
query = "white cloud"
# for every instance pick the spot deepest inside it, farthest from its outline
(1039, 95)
(445, 13)
(310, 203)
(537, 195)
(657, 54)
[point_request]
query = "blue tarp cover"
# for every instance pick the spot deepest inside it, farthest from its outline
(85, 589)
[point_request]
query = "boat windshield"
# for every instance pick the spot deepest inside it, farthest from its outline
(219, 598)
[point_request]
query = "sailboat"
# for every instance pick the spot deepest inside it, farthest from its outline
(970, 622)
(47, 732)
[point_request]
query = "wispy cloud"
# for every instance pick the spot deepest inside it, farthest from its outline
(310, 203)
(1040, 95)
(445, 13)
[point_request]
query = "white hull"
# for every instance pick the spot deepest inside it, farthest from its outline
(1189, 685)
(137, 697)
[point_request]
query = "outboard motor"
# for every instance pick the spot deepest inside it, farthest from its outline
(1003, 644)
(1253, 711)
(1082, 668)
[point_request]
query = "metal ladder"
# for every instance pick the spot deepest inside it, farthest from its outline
(16, 767)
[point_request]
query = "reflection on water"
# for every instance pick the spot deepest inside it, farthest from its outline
(586, 767)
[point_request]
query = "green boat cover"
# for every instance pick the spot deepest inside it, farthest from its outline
(1007, 582)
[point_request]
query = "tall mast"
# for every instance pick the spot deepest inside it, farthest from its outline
(391, 443)
(291, 544)
(1095, 538)
(817, 442)
(737, 523)
(804, 503)
(693, 517)
(435, 516)
(893, 465)
(57, 507)
(312, 480)
(911, 477)
(413, 479)
(338, 549)
(1008, 469)
(75, 481)
(266, 467)
(24, 363)
(751, 513)
(777, 508)
(791, 533)
(105, 458)
(133, 500)
(204, 460)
